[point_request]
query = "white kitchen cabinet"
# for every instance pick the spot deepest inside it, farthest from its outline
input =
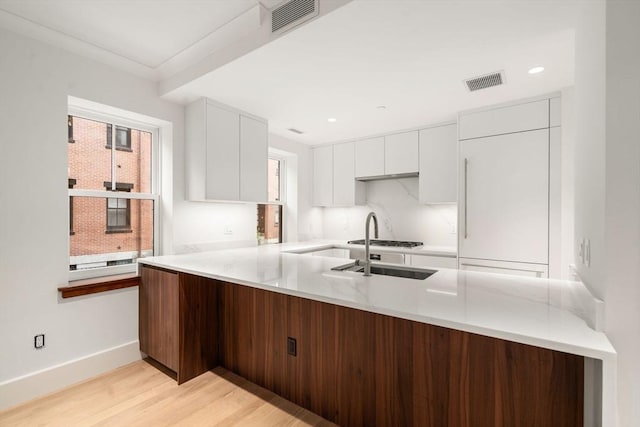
(334, 181)
(225, 153)
(501, 120)
(346, 190)
(253, 159)
(438, 180)
(555, 109)
(432, 261)
(369, 157)
(401, 153)
(501, 267)
(504, 199)
(323, 176)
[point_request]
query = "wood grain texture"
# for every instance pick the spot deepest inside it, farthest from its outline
(198, 326)
(93, 286)
(359, 369)
(158, 315)
(140, 395)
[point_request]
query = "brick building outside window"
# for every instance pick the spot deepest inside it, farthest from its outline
(111, 201)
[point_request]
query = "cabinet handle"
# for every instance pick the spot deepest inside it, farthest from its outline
(466, 182)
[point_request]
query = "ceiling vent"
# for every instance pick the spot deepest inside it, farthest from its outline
(294, 130)
(292, 13)
(483, 82)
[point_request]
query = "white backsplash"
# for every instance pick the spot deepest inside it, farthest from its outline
(400, 216)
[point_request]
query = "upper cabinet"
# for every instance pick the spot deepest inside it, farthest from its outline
(334, 182)
(395, 154)
(323, 176)
(516, 118)
(226, 153)
(401, 153)
(369, 154)
(438, 164)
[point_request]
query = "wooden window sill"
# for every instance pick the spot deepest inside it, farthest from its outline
(100, 284)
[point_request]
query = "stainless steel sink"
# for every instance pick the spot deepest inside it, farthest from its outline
(388, 270)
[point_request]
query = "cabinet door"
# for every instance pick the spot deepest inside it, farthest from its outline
(323, 176)
(158, 315)
(501, 267)
(438, 181)
(504, 206)
(497, 121)
(433, 261)
(253, 160)
(369, 157)
(223, 154)
(346, 190)
(401, 153)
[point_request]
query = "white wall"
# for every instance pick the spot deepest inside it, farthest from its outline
(303, 221)
(400, 216)
(589, 108)
(622, 223)
(607, 178)
(35, 81)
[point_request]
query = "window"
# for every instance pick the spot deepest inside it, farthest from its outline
(72, 183)
(123, 138)
(270, 215)
(118, 210)
(70, 129)
(113, 194)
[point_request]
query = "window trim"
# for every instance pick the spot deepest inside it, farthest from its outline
(119, 118)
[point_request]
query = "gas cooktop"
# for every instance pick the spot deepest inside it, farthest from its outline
(395, 243)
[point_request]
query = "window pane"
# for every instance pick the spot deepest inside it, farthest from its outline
(273, 180)
(92, 247)
(112, 203)
(90, 156)
(135, 166)
(89, 160)
(269, 219)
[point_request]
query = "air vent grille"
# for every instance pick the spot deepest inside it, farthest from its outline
(486, 81)
(294, 130)
(292, 13)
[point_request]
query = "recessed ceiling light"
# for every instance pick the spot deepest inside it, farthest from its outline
(536, 70)
(332, 120)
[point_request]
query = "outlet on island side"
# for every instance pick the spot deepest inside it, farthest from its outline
(38, 341)
(292, 346)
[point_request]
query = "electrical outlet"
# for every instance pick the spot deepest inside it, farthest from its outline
(38, 341)
(292, 346)
(587, 252)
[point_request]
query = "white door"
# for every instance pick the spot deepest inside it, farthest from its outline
(438, 180)
(369, 157)
(253, 160)
(401, 153)
(323, 176)
(223, 154)
(504, 199)
(344, 189)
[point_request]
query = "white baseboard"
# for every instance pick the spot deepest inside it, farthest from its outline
(22, 389)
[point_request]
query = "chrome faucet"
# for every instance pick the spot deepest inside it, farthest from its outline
(367, 261)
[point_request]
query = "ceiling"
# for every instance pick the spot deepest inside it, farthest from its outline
(410, 56)
(151, 38)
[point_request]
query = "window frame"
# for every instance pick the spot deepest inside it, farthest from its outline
(154, 195)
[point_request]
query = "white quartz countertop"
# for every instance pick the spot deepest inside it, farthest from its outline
(539, 312)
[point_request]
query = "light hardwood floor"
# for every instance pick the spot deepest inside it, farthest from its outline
(140, 395)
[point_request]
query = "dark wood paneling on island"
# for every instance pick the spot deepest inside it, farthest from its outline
(178, 323)
(358, 368)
